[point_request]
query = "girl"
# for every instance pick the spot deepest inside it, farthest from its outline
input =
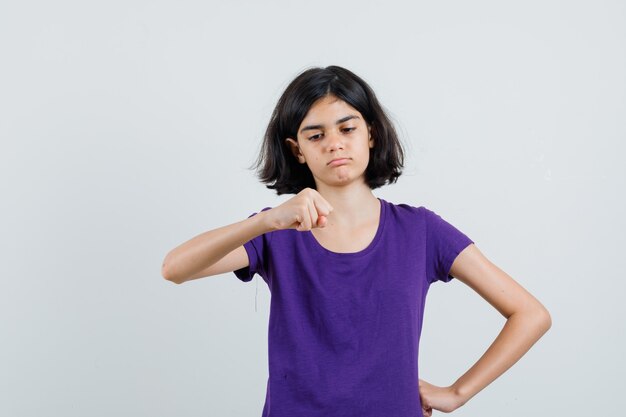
(349, 272)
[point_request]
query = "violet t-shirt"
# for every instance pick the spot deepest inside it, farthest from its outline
(344, 328)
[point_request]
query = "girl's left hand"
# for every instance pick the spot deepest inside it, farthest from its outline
(443, 399)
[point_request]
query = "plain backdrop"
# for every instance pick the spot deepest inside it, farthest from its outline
(128, 127)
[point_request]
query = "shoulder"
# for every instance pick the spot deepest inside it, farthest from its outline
(400, 206)
(407, 210)
(409, 215)
(405, 217)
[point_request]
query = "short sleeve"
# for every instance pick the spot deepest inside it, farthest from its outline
(444, 243)
(257, 250)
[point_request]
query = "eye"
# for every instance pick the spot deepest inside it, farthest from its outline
(346, 129)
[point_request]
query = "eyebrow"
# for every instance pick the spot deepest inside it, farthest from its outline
(343, 119)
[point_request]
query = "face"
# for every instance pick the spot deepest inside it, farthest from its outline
(333, 129)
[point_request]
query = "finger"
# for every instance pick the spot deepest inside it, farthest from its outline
(305, 220)
(312, 214)
(302, 214)
(323, 207)
(322, 221)
(298, 222)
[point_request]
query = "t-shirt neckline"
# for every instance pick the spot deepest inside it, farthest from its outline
(366, 250)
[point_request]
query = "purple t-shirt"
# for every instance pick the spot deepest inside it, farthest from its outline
(344, 328)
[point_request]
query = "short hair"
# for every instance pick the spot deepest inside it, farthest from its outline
(280, 170)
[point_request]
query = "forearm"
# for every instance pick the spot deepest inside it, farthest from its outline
(209, 247)
(518, 335)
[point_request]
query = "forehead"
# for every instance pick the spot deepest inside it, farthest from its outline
(329, 107)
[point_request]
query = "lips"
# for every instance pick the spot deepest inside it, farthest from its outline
(338, 161)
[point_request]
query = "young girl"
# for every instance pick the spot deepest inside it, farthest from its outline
(349, 272)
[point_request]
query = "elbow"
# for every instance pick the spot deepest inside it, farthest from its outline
(171, 278)
(542, 318)
(546, 319)
(537, 317)
(167, 274)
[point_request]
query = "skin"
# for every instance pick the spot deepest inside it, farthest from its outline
(354, 205)
(527, 320)
(342, 186)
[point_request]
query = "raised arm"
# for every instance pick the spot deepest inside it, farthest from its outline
(527, 321)
(306, 210)
(187, 260)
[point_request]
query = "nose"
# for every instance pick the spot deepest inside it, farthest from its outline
(335, 141)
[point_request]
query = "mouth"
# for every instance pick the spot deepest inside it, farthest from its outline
(338, 161)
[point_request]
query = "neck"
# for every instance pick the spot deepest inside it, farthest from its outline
(352, 205)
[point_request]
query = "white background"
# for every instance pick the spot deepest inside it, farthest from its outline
(127, 128)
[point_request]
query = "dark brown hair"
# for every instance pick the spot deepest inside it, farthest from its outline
(276, 165)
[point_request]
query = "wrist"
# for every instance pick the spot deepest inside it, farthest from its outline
(265, 222)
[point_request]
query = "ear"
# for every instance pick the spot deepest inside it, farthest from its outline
(371, 139)
(295, 149)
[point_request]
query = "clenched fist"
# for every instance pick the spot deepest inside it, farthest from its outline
(305, 211)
